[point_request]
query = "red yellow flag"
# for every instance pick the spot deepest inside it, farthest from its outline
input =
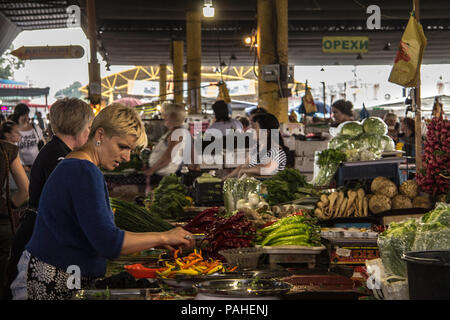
(308, 101)
(408, 59)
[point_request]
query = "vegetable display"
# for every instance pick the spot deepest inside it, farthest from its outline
(295, 230)
(362, 141)
(433, 178)
(235, 189)
(203, 221)
(387, 196)
(169, 198)
(328, 162)
(227, 233)
(337, 205)
(134, 218)
(284, 186)
(194, 264)
(432, 232)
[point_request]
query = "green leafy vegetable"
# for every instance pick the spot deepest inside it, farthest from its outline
(283, 186)
(328, 162)
(375, 125)
(352, 128)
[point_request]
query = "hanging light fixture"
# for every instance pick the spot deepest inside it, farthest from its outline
(208, 9)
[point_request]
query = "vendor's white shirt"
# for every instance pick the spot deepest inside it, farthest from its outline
(177, 152)
(28, 145)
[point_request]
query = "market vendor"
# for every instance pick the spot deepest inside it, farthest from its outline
(71, 119)
(167, 155)
(407, 137)
(342, 111)
(274, 159)
(75, 227)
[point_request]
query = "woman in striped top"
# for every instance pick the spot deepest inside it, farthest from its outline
(271, 157)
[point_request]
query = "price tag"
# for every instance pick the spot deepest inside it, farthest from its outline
(342, 252)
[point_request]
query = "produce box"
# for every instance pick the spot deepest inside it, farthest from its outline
(353, 254)
(208, 194)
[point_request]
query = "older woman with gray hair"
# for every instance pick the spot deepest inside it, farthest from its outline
(167, 155)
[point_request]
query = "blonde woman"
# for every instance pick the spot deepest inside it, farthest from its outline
(167, 155)
(75, 224)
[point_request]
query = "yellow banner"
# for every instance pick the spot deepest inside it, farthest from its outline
(345, 44)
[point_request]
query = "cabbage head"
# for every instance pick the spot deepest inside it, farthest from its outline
(352, 128)
(371, 142)
(374, 125)
(395, 241)
(339, 142)
(387, 143)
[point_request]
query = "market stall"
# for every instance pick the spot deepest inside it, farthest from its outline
(286, 236)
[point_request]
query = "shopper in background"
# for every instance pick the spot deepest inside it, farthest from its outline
(9, 131)
(167, 155)
(407, 136)
(75, 224)
(255, 111)
(222, 121)
(40, 121)
(71, 119)
(275, 156)
(32, 137)
(245, 123)
(9, 163)
(2, 118)
(393, 126)
(342, 111)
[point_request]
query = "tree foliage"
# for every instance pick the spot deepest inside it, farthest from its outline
(9, 64)
(70, 92)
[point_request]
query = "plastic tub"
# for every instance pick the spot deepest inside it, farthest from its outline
(428, 274)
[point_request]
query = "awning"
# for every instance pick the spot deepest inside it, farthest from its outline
(24, 92)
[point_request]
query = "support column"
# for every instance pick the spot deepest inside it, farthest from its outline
(177, 59)
(162, 82)
(94, 88)
(269, 53)
(418, 119)
(194, 59)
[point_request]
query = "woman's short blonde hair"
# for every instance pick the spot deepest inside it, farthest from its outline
(70, 116)
(175, 110)
(119, 120)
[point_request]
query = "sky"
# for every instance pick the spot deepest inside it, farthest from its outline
(59, 74)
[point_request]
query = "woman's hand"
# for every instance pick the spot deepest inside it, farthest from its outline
(178, 237)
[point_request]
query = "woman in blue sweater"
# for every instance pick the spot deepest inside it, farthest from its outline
(75, 230)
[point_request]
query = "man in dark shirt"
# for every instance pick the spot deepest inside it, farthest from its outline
(71, 120)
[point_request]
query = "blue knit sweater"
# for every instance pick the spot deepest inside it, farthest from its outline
(75, 223)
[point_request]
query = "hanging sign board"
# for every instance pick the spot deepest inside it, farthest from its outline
(345, 44)
(49, 52)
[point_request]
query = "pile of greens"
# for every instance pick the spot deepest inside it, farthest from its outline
(284, 186)
(169, 198)
(432, 232)
(328, 162)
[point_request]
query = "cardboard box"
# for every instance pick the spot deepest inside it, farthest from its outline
(309, 148)
(353, 254)
(304, 164)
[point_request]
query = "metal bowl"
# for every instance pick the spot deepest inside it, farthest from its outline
(187, 281)
(243, 288)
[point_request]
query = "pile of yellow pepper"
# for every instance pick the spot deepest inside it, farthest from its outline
(192, 264)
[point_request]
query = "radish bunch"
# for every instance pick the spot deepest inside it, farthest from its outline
(435, 158)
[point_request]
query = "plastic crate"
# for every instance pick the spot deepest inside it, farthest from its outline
(367, 172)
(208, 194)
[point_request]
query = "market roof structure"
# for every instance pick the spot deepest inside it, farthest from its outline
(138, 32)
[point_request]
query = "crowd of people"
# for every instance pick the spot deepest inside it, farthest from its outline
(55, 178)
